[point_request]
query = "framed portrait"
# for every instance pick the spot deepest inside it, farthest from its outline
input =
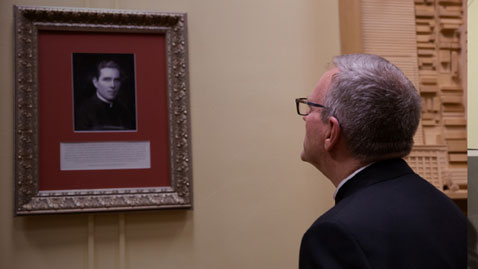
(102, 115)
(104, 92)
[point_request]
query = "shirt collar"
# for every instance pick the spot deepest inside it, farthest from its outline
(349, 178)
(104, 100)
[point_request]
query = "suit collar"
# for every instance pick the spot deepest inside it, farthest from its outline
(349, 178)
(377, 172)
(103, 100)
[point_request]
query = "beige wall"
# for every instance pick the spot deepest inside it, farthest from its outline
(253, 197)
(472, 69)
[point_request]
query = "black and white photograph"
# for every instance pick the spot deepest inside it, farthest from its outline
(104, 92)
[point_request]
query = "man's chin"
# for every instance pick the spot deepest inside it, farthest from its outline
(307, 158)
(303, 157)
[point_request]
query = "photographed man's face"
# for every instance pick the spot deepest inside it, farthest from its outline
(108, 83)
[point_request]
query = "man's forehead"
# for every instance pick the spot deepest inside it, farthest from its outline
(109, 71)
(323, 84)
(327, 76)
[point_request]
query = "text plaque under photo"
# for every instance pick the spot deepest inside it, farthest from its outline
(114, 155)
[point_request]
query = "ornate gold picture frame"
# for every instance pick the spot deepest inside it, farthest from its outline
(156, 44)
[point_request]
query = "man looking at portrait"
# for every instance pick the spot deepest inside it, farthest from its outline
(359, 123)
(101, 111)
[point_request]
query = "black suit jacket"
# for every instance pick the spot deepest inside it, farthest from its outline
(96, 115)
(387, 216)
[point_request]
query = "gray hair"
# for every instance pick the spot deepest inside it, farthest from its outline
(377, 107)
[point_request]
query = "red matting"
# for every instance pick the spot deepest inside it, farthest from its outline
(55, 108)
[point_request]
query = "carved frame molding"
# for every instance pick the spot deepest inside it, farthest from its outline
(28, 198)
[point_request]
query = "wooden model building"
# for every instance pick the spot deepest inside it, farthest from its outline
(424, 38)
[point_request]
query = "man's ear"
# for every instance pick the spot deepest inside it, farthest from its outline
(333, 134)
(95, 82)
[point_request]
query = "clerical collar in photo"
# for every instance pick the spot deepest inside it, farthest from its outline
(104, 100)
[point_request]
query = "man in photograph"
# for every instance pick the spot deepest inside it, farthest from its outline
(360, 121)
(101, 111)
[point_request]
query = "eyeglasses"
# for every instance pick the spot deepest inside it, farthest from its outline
(303, 106)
